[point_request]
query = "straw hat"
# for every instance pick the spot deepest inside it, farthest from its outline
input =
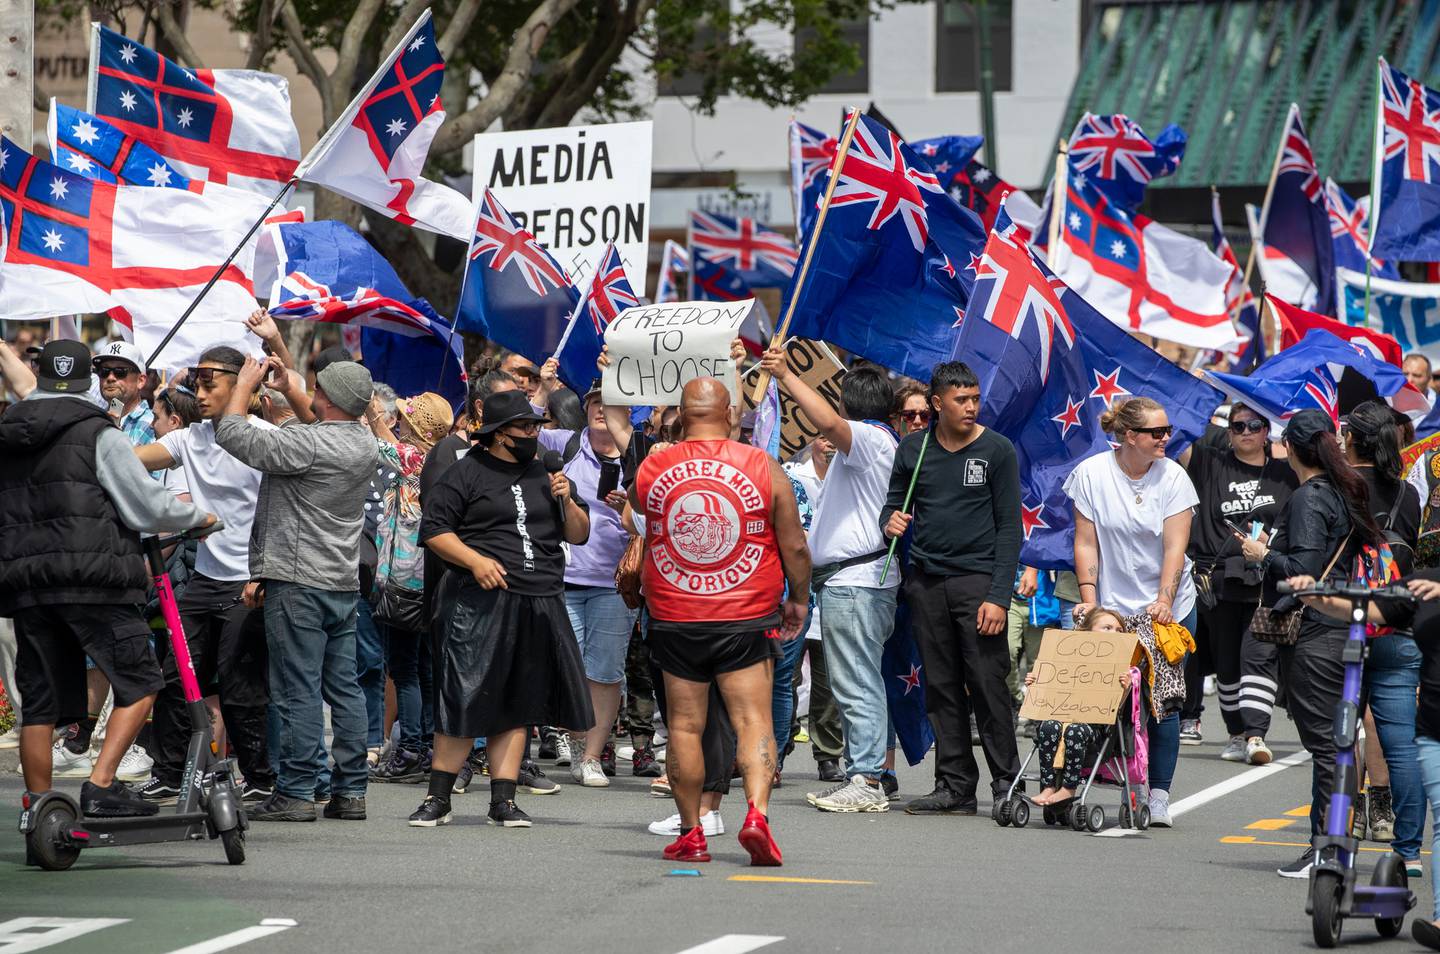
(429, 416)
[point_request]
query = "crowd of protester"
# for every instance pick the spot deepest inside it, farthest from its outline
(538, 581)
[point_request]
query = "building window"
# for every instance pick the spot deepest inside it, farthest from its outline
(691, 81)
(957, 45)
(856, 33)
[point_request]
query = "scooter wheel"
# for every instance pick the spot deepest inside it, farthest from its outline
(1389, 873)
(234, 842)
(44, 844)
(1096, 819)
(1019, 813)
(1325, 921)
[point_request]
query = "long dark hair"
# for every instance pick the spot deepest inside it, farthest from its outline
(1375, 435)
(1324, 453)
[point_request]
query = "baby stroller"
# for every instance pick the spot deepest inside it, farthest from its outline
(1120, 758)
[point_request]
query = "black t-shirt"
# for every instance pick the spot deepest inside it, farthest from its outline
(444, 455)
(505, 512)
(1230, 489)
(1405, 506)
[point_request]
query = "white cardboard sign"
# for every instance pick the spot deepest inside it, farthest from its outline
(655, 350)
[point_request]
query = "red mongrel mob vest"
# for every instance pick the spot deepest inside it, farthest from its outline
(712, 554)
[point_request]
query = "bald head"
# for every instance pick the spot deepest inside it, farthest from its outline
(705, 409)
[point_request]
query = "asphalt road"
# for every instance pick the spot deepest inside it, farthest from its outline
(589, 877)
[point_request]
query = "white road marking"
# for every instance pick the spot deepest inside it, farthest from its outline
(235, 938)
(18, 935)
(1219, 790)
(733, 944)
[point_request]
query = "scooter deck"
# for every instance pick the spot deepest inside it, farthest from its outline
(139, 829)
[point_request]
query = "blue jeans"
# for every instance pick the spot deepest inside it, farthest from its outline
(1067, 614)
(409, 657)
(1165, 737)
(855, 623)
(602, 624)
(370, 672)
(311, 633)
(1392, 674)
(1428, 751)
(782, 693)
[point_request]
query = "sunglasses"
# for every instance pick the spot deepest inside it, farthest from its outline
(121, 371)
(1159, 433)
(921, 416)
(527, 428)
(205, 377)
(1252, 426)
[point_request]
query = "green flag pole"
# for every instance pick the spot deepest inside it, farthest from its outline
(909, 492)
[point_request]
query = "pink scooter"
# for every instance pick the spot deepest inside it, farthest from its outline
(209, 805)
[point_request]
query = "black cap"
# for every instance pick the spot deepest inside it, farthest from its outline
(330, 356)
(1306, 426)
(63, 367)
(595, 391)
(506, 407)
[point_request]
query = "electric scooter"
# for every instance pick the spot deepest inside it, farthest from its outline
(209, 805)
(1334, 895)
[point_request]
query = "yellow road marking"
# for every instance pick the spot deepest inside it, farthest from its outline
(1270, 824)
(770, 879)
(1302, 812)
(1251, 840)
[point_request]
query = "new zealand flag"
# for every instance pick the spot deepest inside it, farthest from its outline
(711, 281)
(609, 294)
(1406, 207)
(1114, 154)
(1295, 221)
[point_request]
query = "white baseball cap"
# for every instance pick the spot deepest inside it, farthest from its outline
(125, 351)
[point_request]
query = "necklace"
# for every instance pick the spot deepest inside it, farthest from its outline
(1135, 484)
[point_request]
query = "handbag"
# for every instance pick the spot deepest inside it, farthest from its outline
(627, 572)
(401, 608)
(1282, 627)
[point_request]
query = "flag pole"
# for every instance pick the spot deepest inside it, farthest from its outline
(1240, 301)
(279, 196)
(1258, 236)
(909, 492)
(1059, 187)
(1377, 142)
(763, 380)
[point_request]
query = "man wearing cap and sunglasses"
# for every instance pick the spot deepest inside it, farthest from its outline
(227, 655)
(73, 501)
(120, 366)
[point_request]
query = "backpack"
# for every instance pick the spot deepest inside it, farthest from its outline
(1376, 567)
(400, 569)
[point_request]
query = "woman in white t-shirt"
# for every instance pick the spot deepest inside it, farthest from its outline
(1132, 524)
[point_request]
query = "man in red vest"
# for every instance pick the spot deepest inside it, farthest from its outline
(723, 539)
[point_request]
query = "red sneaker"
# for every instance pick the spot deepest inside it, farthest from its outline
(755, 838)
(690, 846)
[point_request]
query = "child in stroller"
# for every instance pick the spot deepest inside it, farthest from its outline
(1079, 737)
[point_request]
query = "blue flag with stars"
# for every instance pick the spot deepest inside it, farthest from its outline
(91, 147)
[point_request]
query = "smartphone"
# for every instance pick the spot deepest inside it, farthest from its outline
(609, 479)
(1235, 529)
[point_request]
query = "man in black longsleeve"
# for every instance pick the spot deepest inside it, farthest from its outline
(966, 545)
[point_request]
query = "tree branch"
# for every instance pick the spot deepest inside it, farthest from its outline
(404, 20)
(590, 71)
(263, 37)
(305, 57)
(457, 28)
(176, 36)
(348, 55)
(512, 79)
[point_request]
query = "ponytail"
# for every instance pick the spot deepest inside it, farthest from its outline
(1376, 437)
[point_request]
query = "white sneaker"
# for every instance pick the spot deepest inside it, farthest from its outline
(857, 796)
(1211, 685)
(1257, 752)
(710, 822)
(1234, 750)
(563, 754)
(135, 765)
(1160, 809)
(590, 774)
(66, 764)
(11, 739)
(624, 753)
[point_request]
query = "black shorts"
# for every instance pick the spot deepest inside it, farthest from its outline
(699, 653)
(50, 665)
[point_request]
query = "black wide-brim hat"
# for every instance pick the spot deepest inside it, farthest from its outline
(506, 407)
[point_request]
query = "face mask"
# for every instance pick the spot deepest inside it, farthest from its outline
(524, 448)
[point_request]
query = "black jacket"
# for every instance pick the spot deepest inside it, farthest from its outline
(61, 539)
(1312, 526)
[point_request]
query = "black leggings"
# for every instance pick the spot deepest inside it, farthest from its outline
(1247, 671)
(1079, 738)
(717, 742)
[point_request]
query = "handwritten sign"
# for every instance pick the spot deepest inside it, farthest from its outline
(655, 350)
(817, 366)
(1078, 676)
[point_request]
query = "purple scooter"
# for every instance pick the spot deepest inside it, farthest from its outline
(208, 806)
(1334, 895)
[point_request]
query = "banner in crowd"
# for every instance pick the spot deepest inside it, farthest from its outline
(1409, 312)
(1079, 676)
(817, 366)
(655, 350)
(575, 188)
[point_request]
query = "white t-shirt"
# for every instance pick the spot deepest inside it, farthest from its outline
(1130, 533)
(175, 481)
(847, 519)
(221, 485)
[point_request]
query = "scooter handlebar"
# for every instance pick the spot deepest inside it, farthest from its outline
(1349, 592)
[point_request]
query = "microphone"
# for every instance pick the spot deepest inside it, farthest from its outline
(554, 464)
